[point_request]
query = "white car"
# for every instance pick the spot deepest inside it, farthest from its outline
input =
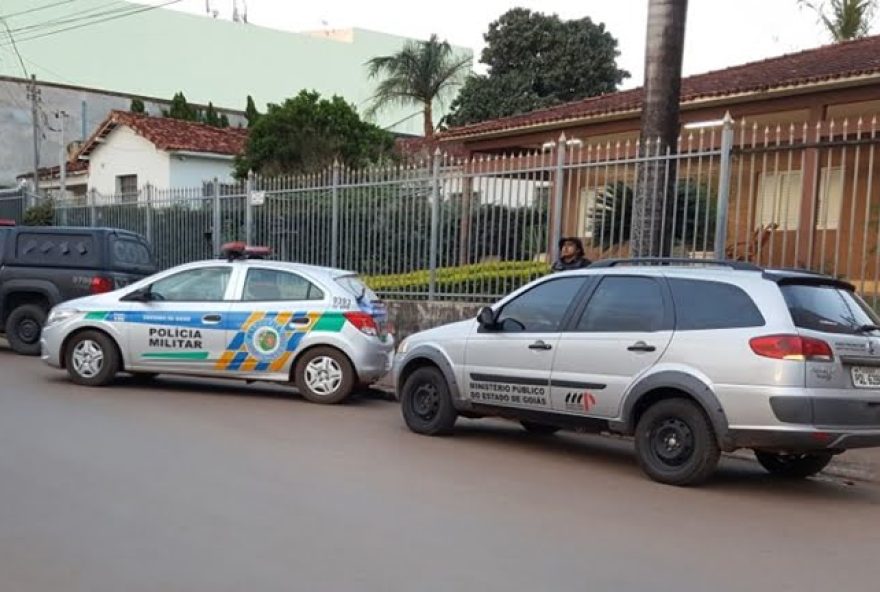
(238, 317)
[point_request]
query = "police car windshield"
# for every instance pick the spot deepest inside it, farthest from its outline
(357, 287)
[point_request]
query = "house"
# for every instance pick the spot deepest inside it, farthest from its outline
(76, 180)
(129, 151)
(804, 181)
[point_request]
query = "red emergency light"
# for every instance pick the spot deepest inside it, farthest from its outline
(7, 222)
(240, 250)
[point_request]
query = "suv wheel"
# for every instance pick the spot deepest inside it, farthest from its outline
(425, 403)
(91, 359)
(793, 466)
(324, 375)
(23, 328)
(675, 443)
(542, 429)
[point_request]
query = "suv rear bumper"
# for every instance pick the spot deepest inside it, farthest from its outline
(803, 438)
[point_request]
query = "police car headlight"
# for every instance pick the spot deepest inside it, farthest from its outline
(59, 316)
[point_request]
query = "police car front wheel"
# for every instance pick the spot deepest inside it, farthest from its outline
(92, 359)
(324, 375)
(425, 403)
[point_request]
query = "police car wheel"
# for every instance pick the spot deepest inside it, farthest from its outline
(541, 429)
(425, 403)
(23, 327)
(324, 375)
(91, 359)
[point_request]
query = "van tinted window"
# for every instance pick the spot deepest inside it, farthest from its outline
(128, 252)
(61, 249)
(702, 304)
(827, 308)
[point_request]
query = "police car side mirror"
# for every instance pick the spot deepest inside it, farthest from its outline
(486, 318)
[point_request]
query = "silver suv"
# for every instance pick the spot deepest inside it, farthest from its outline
(691, 358)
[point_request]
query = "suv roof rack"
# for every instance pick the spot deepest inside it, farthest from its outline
(737, 265)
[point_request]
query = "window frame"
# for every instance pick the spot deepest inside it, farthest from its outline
(667, 323)
(226, 293)
(565, 321)
(312, 284)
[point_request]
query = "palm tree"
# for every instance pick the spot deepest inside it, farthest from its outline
(660, 127)
(420, 73)
(844, 19)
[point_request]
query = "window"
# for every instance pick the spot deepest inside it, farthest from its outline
(779, 199)
(193, 285)
(271, 284)
(712, 305)
(357, 288)
(131, 253)
(624, 304)
(127, 188)
(827, 309)
(541, 309)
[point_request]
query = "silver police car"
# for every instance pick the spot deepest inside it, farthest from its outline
(236, 317)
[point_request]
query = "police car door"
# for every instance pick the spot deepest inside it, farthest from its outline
(273, 310)
(510, 365)
(182, 327)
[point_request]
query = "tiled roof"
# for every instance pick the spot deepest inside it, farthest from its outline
(831, 62)
(172, 135)
(74, 167)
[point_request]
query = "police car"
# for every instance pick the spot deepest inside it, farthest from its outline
(240, 316)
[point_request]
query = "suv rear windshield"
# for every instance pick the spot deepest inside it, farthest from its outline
(130, 253)
(828, 309)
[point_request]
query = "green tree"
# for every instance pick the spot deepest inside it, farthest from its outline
(224, 121)
(210, 116)
(250, 112)
(41, 214)
(308, 133)
(180, 109)
(137, 106)
(844, 19)
(537, 60)
(421, 73)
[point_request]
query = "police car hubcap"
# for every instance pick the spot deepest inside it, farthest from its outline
(323, 375)
(88, 358)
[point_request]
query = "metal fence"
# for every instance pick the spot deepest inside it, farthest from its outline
(12, 205)
(784, 195)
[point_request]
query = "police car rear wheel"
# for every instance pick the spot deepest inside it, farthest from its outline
(425, 403)
(92, 359)
(324, 375)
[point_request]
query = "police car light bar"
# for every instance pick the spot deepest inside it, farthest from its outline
(240, 250)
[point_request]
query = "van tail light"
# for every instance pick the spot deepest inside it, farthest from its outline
(792, 347)
(100, 285)
(364, 323)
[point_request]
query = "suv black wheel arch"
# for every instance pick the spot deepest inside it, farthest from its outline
(427, 356)
(670, 385)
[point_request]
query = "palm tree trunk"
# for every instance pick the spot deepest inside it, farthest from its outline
(429, 120)
(660, 128)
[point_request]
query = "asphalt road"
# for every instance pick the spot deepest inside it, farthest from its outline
(194, 486)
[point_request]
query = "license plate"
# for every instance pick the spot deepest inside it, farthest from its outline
(866, 377)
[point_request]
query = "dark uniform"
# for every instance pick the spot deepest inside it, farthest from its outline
(579, 261)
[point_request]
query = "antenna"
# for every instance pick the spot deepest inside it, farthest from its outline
(244, 11)
(235, 17)
(208, 7)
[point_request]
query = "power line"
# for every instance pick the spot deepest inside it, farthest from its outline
(15, 47)
(97, 21)
(39, 8)
(78, 16)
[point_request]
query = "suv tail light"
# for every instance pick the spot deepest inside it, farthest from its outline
(792, 347)
(364, 323)
(99, 285)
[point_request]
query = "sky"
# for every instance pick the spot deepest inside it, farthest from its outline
(720, 33)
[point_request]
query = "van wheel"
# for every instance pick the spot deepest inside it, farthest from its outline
(542, 429)
(324, 375)
(23, 328)
(425, 403)
(675, 443)
(91, 359)
(793, 466)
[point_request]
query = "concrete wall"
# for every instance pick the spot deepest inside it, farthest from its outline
(411, 316)
(126, 153)
(16, 129)
(192, 171)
